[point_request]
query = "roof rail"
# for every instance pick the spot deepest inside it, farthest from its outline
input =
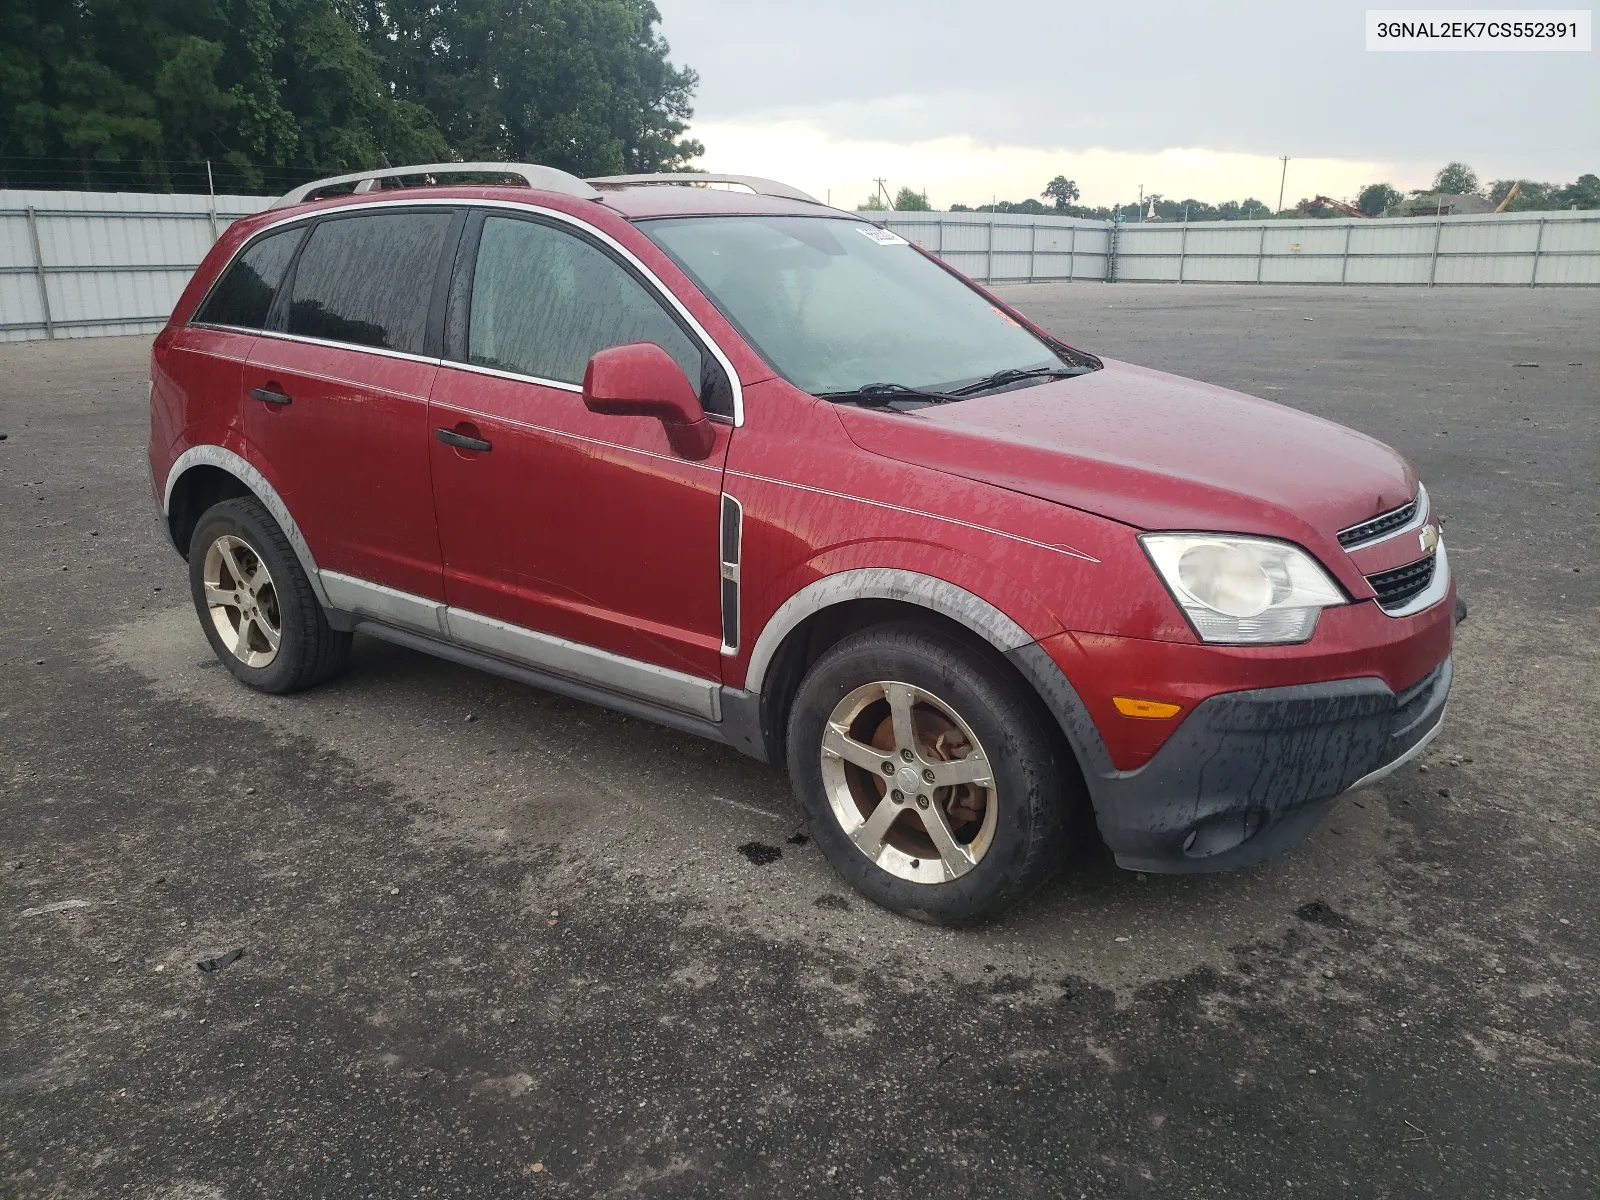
(545, 179)
(758, 185)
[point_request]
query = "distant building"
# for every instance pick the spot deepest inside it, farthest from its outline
(1440, 204)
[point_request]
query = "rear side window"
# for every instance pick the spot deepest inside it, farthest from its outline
(368, 279)
(545, 301)
(244, 293)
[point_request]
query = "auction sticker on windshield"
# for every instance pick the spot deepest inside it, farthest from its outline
(883, 237)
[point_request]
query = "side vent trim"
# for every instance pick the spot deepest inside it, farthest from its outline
(732, 546)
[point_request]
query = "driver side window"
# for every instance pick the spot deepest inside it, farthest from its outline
(545, 301)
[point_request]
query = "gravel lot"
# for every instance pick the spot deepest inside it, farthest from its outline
(503, 944)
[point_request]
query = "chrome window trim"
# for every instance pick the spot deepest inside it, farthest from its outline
(651, 278)
(328, 343)
(1418, 520)
(540, 381)
(216, 280)
(514, 376)
(1438, 587)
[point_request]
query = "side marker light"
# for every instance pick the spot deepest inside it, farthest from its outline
(1154, 710)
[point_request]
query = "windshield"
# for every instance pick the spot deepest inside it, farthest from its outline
(835, 305)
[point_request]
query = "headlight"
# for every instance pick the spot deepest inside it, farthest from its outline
(1241, 589)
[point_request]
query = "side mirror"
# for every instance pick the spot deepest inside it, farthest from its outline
(641, 380)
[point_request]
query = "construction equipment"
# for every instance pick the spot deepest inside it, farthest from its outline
(1319, 204)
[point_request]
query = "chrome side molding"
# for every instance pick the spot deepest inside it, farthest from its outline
(589, 666)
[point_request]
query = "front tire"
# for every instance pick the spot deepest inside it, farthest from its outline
(256, 603)
(927, 774)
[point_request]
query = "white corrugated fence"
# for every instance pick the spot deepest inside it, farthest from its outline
(81, 264)
(1007, 247)
(1515, 249)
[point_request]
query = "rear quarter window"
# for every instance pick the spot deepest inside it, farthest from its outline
(244, 294)
(368, 279)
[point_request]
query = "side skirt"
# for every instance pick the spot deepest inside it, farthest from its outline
(740, 709)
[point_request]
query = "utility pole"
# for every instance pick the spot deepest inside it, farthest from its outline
(1282, 179)
(884, 192)
(211, 191)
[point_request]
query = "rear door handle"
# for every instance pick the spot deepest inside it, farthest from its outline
(451, 438)
(268, 396)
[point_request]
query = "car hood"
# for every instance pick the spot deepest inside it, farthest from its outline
(1154, 451)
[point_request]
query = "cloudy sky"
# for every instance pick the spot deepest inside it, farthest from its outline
(975, 100)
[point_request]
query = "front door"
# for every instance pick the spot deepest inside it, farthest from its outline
(585, 527)
(336, 396)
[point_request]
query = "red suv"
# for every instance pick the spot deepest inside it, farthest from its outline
(762, 471)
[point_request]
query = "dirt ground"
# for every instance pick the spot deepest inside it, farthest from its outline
(498, 943)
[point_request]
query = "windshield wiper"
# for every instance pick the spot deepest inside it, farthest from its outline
(880, 395)
(1014, 375)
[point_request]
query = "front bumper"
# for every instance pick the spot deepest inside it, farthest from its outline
(1248, 773)
(1251, 773)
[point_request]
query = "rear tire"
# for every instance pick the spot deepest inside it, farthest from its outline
(928, 776)
(256, 603)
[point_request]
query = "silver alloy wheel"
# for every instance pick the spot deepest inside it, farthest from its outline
(909, 782)
(242, 600)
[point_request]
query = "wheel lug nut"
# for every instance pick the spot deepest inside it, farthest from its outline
(888, 768)
(927, 776)
(898, 796)
(907, 755)
(922, 802)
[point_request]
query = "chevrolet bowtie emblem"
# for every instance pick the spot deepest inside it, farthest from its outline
(1429, 537)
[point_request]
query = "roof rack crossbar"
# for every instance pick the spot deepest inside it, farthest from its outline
(758, 185)
(545, 179)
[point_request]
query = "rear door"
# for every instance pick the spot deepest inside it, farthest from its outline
(582, 526)
(337, 386)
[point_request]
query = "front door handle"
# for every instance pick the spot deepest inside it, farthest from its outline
(466, 442)
(269, 396)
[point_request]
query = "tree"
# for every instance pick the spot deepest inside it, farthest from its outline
(1062, 190)
(873, 203)
(585, 85)
(1533, 196)
(1377, 198)
(906, 200)
(1029, 206)
(1585, 193)
(120, 93)
(1456, 179)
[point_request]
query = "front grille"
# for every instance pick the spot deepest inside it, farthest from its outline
(1378, 526)
(1399, 585)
